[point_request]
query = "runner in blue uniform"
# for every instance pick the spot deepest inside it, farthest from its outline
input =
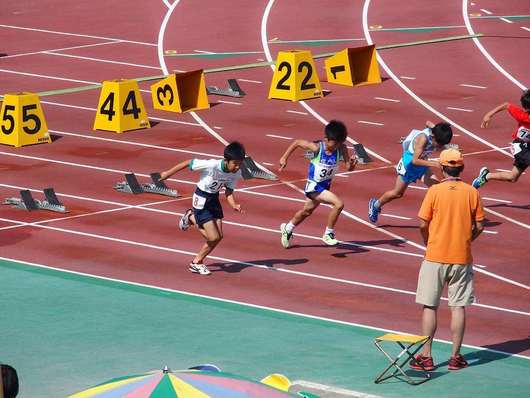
(325, 163)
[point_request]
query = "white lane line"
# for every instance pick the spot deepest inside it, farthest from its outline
(486, 11)
(497, 200)
(75, 34)
(64, 49)
(251, 264)
(46, 76)
(204, 52)
(278, 136)
(217, 127)
(413, 95)
(525, 28)
(101, 60)
(372, 123)
(386, 99)
(268, 164)
(484, 51)
(459, 109)
(297, 112)
(229, 102)
(418, 187)
(490, 232)
(244, 304)
(250, 81)
(506, 20)
(407, 77)
(394, 216)
(268, 56)
(472, 86)
(167, 3)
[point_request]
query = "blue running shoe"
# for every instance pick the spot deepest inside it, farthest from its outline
(481, 179)
(373, 212)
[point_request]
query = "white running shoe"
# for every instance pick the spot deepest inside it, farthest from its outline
(199, 269)
(185, 222)
(286, 236)
(330, 240)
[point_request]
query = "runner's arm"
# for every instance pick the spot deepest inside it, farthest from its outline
(419, 145)
(351, 161)
(175, 169)
(304, 144)
(487, 117)
(229, 193)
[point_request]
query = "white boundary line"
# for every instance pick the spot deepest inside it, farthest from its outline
(100, 60)
(484, 51)
(244, 304)
(63, 49)
(412, 94)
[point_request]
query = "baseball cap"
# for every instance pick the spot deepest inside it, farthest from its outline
(451, 157)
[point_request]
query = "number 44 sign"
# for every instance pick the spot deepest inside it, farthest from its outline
(295, 77)
(22, 120)
(120, 107)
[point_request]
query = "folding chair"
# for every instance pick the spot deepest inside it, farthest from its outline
(406, 342)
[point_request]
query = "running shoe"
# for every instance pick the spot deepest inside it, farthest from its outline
(185, 222)
(373, 212)
(199, 269)
(330, 240)
(457, 362)
(422, 363)
(481, 179)
(286, 236)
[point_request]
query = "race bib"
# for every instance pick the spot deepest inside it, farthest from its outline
(516, 148)
(198, 202)
(324, 172)
(400, 168)
(523, 134)
(310, 186)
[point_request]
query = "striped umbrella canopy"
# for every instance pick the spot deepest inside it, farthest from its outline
(184, 384)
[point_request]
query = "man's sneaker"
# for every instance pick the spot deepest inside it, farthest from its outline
(286, 236)
(199, 269)
(422, 363)
(329, 239)
(457, 362)
(185, 222)
(373, 212)
(481, 179)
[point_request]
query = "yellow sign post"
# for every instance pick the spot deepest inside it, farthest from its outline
(120, 107)
(353, 67)
(22, 120)
(295, 77)
(181, 92)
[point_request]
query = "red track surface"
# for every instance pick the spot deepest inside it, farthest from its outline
(309, 278)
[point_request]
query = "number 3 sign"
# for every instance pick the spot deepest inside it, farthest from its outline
(295, 77)
(22, 120)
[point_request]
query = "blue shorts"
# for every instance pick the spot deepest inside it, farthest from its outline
(409, 172)
(313, 187)
(206, 207)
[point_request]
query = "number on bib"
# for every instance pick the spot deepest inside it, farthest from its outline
(198, 202)
(400, 168)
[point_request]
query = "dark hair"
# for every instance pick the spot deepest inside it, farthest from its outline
(442, 133)
(525, 100)
(234, 151)
(9, 381)
(336, 131)
(453, 171)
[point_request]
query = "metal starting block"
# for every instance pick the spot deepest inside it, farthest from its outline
(249, 169)
(27, 202)
(131, 185)
(361, 154)
(233, 89)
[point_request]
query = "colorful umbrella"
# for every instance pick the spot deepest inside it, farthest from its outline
(184, 384)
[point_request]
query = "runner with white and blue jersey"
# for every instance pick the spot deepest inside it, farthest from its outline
(414, 164)
(322, 168)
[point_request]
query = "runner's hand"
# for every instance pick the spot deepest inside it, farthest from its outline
(485, 122)
(283, 164)
(238, 209)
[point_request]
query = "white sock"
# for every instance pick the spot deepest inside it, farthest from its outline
(289, 227)
(328, 231)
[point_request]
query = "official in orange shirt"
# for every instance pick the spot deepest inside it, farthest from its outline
(451, 218)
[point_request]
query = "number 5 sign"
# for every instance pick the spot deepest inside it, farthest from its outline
(295, 77)
(22, 120)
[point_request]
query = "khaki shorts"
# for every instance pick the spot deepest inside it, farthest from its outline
(433, 277)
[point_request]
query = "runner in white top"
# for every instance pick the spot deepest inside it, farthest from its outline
(207, 212)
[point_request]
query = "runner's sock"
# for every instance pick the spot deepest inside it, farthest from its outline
(377, 205)
(289, 227)
(328, 231)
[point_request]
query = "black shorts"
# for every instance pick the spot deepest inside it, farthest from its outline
(206, 207)
(521, 157)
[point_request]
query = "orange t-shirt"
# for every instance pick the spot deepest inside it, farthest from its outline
(451, 207)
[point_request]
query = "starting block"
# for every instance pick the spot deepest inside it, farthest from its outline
(233, 89)
(27, 202)
(249, 169)
(131, 185)
(361, 154)
(406, 342)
